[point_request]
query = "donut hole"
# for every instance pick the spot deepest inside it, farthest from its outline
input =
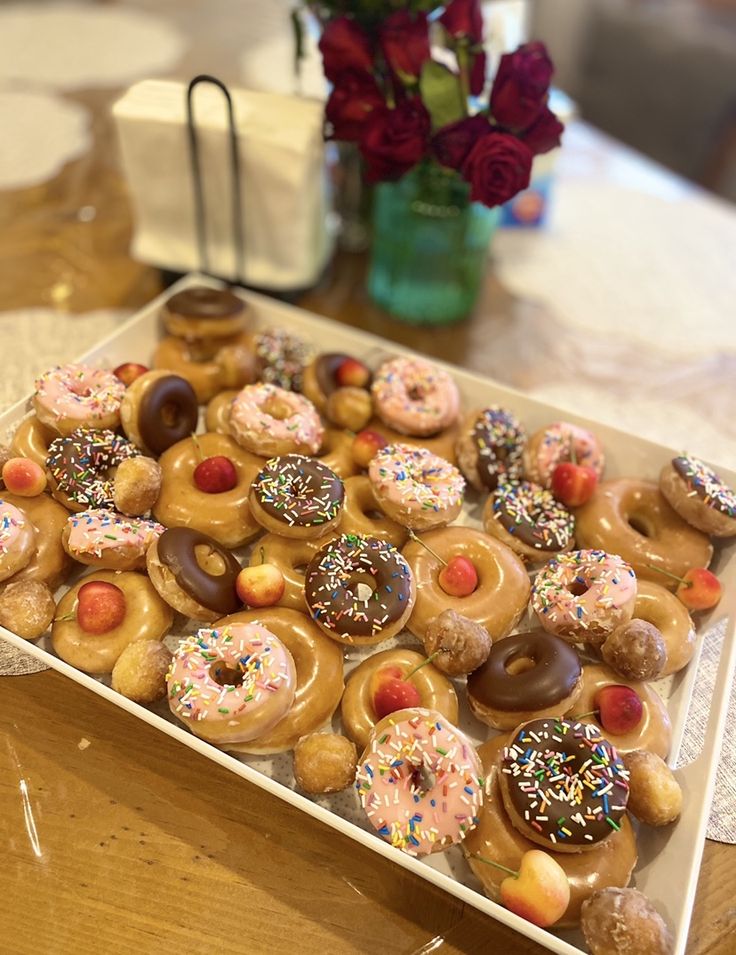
(416, 392)
(423, 779)
(362, 587)
(277, 408)
(641, 525)
(517, 665)
(374, 515)
(579, 587)
(225, 675)
(170, 415)
(209, 560)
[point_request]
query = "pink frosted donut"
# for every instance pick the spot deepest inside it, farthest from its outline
(584, 595)
(78, 396)
(416, 488)
(101, 537)
(414, 397)
(231, 684)
(553, 445)
(419, 781)
(17, 540)
(270, 421)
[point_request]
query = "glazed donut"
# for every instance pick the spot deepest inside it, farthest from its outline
(50, 564)
(663, 610)
(584, 595)
(527, 676)
(608, 863)
(158, 410)
(217, 412)
(503, 587)
(415, 397)
(361, 514)
(231, 684)
(416, 488)
(319, 679)
(291, 557)
(490, 448)
(554, 445)
(17, 539)
(563, 784)
(281, 358)
(32, 440)
(147, 617)
(201, 312)
(297, 497)
(419, 781)
(443, 444)
(358, 714)
(232, 365)
(337, 453)
(359, 590)
(224, 516)
(193, 573)
(654, 732)
(79, 467)
(104, 538)
(699, 496)
(320, 378)
(268, 421)
(529, 520)
(632, 519)
(78, 396)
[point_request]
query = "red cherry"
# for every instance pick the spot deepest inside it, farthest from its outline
(700, 589)
(366, 445)
(394, 695)
(100, 607)
(620, 708)
(458, 577)
(352, 373)
(128, 372)
(215, 475)
(573, 484)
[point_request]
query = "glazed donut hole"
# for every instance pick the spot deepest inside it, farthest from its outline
(140, 671)
(655, 796)
(324, 763)
(623, 922)
(27, 608)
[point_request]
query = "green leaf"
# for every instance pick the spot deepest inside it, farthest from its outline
(442, 94)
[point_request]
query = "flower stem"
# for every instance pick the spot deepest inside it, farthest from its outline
(496, 865)
(434, 553)
(462, 52)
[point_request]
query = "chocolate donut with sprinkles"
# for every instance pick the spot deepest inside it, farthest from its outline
(563, 784)
(359, 590)
(529, 520)
(490, 450)
(79, 466)
(296, 496)
(699, 495)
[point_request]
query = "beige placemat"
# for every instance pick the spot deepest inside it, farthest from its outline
(14, 662)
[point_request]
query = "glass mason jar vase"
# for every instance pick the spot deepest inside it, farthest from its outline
(430, 246)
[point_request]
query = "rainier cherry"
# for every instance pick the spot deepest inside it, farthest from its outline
(699, 588)
(100, 607)
(573, 484)
(215, 475)
(352, 373)
(539, 892)
(458, 577)
(128, 372)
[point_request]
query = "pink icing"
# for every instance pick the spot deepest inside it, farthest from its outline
(249, 420)
(414, 397)
(79, 391)
(12, 523)
(237, 712)
(97, 530)
(555, 445)
(401, 759)
(415, 479)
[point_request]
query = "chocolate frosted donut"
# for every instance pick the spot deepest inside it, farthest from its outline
(529, 520)
(202, 312)
(158, 410)
(563, 785)
(359, 589)
(699, 495)
(175, 554)
(281, 358)
(526, 675)
(490, 451)
(78, 466)
(297, 496)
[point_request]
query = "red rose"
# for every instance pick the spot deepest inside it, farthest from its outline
(463, 18)
(395, 140)
(354, 97)
(452, 143)
(497, 167)
(478, 74)
(345, 46)
(544, 133)
(521, 85)
(405, 42)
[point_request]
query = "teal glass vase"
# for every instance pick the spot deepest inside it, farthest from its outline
(430, 246)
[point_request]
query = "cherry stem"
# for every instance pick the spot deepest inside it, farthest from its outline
(496, 865)
(573, 456)
(581, 716)
(197, 448)
(262, 552)
(434, 553)
(668, 573)
(422, 664)
(67, 616)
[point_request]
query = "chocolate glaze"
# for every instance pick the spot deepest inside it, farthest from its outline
(202, 303)
(176, 394)
(706, 484)
(176, 551)
(533, 516)
(297, 490)
(553, 677)
(79, 464)
(499, 439)
(325, 368)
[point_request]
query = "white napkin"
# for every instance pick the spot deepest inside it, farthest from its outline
(283, 182)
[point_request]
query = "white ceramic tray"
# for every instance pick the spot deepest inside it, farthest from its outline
(668, 860)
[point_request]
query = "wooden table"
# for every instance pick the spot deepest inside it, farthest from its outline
(115, 839)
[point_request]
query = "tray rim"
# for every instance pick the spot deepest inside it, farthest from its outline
(716, 719)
